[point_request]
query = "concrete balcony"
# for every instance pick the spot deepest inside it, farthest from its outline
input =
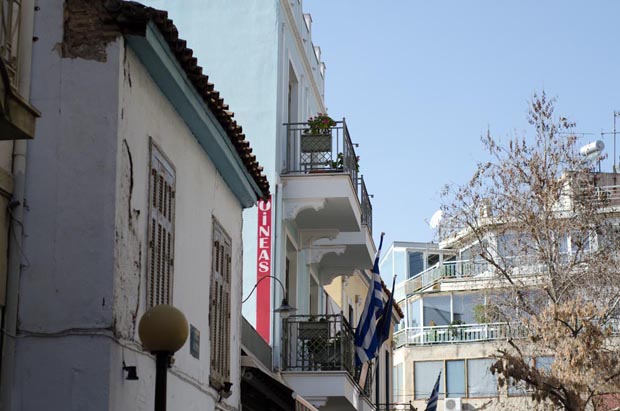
(318, 363)
(326, 199)
(449, 270)
(471, 333)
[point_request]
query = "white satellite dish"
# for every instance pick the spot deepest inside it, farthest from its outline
(436, 219)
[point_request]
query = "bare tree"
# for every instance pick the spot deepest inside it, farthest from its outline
(541, 221)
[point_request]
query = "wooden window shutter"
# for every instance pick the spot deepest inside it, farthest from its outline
(160, 230)
(220, 307)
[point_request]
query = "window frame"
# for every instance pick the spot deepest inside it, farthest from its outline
(158, 165)
(220, 306)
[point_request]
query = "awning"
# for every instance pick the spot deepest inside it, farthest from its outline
(261, 389)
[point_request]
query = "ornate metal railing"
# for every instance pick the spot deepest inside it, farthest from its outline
(365, 203)
(320, 151)
(326, 151)
(462, 333)
(323, 343)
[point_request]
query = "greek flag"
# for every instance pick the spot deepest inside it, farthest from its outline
(431, 405)
(385, 323)
(366, 334)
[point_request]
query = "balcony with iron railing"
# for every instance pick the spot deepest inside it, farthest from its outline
(326, 151)
(312, 344)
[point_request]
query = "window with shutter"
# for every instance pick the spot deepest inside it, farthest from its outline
(219, 308)
(160, 230)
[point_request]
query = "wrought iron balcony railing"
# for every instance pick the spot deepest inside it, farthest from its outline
(365, 203)
(317, 151)
(326, 151)
(322, 343)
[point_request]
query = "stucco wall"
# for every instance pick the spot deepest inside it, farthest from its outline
(246, 49)
(201, 195)
(66, 293)
(86, 228)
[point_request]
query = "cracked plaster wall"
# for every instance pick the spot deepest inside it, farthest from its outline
(201, 194)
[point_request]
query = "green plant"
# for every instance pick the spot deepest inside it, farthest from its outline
(453, 328)
(338, 164)
(321, 124)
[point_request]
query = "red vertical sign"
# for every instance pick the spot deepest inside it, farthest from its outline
(263, 268)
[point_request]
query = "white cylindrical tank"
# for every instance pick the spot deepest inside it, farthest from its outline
(594, 148)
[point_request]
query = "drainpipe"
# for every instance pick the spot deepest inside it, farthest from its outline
(14, 267)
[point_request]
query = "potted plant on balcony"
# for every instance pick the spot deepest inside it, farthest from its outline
(338, 164)
(318, 136)
(456, 332)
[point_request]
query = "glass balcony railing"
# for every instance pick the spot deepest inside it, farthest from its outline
(326, 151)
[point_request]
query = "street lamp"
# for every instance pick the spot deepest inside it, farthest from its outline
(284, 309)
(163, 330)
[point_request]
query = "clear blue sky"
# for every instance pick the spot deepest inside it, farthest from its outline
(420, 81)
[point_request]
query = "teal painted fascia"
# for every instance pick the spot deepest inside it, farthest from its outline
(154, 53)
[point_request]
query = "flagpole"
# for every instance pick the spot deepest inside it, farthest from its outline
(363, 374)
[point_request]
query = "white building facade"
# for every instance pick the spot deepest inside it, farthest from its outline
(264, 59)
(135, 191)
(441, 291)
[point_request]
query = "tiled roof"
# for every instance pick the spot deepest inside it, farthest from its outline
(133, 18)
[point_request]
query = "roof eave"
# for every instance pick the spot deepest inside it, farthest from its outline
(152, 49)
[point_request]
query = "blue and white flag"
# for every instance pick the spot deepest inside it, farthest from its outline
(366, 333)
(431, 405)
(385, 323)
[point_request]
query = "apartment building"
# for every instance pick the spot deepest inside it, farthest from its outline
(444, 289)
(315, 233)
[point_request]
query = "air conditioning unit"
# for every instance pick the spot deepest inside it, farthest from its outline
(452, 404)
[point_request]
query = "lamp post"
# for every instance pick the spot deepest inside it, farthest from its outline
(163, 330)
(285, 309)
